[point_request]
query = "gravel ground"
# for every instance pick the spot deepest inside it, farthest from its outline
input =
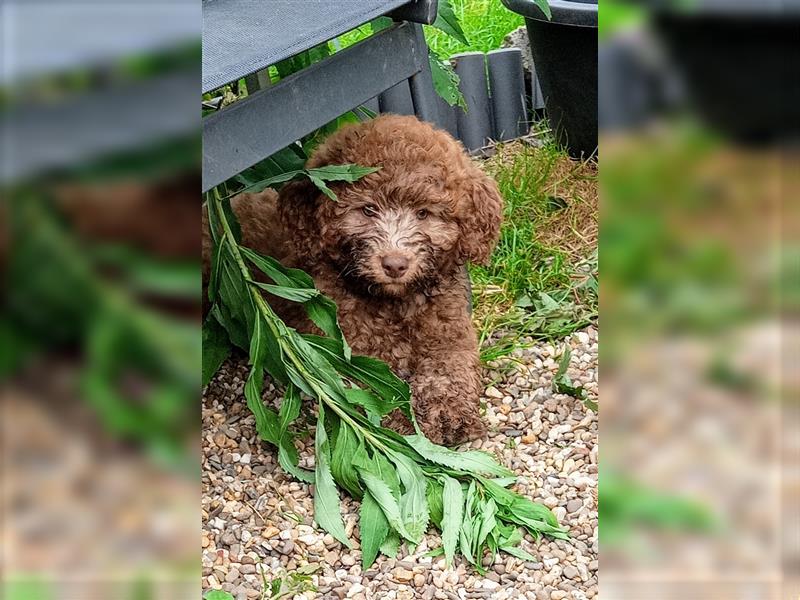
(258, 522)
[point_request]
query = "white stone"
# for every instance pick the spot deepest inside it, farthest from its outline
(493, 392)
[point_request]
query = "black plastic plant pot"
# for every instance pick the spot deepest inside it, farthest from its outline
(564, 52)
(741, 69)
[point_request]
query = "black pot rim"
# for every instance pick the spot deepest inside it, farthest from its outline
(727, 8)
(576, 13)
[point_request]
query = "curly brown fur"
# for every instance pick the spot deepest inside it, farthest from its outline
(391, 253)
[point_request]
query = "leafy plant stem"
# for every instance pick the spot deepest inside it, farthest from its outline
(399, 478)
(270, 317)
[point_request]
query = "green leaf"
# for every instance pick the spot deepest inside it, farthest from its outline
(488, 520)
(522, 510)
(548, 302)
(447, 21)
(391, 544)
(544, 5)
(508, 535)
(518, 552)
(277, 272)
(413, 500)
(501, 495)
(216, 347)
(214, 224)
(563, 362)
(288, 293)
(236, 330)
(320, 309)
(230, 217)
(263, 184)
(290, 408)
(471, 461)
(465, 541)
(327, 512)
(371, 372)
(374, 406)
(538, 528)
(350, 172)
(384, 469)
(453, 511)
(291, 158)
(266, 419)
(466, 534)
(287, 453)
(562, 383)
(213, 281)
(234, 304)
(344, 449)
(382, 494)
(323, 188)
(374, 528)
(318, 176)
(315, 138)
(315, 370)
(232, 290)
(438, 551)
(435, 501)
(217, 595)
(302, 60)
(273, 357)
(446, 82)
(504, 481)
(288, 459)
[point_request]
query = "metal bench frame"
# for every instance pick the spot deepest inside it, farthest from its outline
(254, 128)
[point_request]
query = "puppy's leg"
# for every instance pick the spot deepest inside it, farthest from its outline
(446, 396)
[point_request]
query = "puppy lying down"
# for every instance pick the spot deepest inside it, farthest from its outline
(391, 254)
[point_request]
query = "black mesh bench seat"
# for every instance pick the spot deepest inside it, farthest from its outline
(244, 36)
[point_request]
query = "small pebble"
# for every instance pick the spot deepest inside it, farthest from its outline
(574, 505)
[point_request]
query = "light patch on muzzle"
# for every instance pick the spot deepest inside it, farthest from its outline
(397, 229)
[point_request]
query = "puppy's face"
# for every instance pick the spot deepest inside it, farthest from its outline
(392, 238)
(424, 213)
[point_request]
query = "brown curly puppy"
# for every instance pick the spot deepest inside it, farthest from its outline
(391, 253)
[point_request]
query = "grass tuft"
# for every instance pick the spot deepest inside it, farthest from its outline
(542, 279)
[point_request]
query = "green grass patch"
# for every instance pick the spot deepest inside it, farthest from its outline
(541, 281)
(485, 23)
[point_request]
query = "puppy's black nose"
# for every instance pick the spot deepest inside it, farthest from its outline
(394, 266)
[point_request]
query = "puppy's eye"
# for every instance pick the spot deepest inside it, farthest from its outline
(422, 214)
(370, 210)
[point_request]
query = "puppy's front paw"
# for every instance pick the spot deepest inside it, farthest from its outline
(451, 429)
(398, 422)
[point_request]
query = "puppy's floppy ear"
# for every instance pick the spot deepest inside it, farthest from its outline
(480, 212)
